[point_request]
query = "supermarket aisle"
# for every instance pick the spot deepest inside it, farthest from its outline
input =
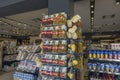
(6, 75)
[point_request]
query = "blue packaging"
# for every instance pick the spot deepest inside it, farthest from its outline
(110, 54)
(115, 54)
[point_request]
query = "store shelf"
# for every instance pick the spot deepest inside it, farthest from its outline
(57, 53)
(111, 60)
(50, 64)
(10, 61)
(79, 54)
(36, 74)
(63, 39)
(56, 77)
(105, 49)
(104, 72)
(52, 25)
(9, 54)
(54, 39)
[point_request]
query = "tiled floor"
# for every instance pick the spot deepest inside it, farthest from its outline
(6, 75)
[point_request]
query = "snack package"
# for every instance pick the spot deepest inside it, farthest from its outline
(55, 59)
(55, 32)
(61, 47)
(45, 20)
(64, 44)
(62, 60)
(59, 19)
(63, 72)
(54, 46)
(50, 20)
(55, 72)
(62, 32)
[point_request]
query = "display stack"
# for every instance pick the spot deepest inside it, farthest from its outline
(29, 58)
(61, 47)
(104, 64)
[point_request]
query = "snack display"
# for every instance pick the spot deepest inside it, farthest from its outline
(61, 47)
(54, 47)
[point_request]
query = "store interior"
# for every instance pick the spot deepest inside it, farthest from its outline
(60, 40)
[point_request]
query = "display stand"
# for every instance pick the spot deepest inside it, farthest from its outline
(27, 68)
(62, 57)
(104, 64)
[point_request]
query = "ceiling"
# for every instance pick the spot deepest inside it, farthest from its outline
(25, 20)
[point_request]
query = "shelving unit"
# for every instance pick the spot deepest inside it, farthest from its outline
(27, 67)
(8, 58)
(109, 60)
(104, 63)
(59, 61)
(104, 72)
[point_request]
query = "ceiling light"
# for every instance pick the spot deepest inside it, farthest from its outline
(92, 11)
(25, 24)
(117, 3)
(19, 23)
(92, 18)
(92, 6)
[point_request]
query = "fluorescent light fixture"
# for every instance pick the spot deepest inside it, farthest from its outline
(92, 6)
(92, 18)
